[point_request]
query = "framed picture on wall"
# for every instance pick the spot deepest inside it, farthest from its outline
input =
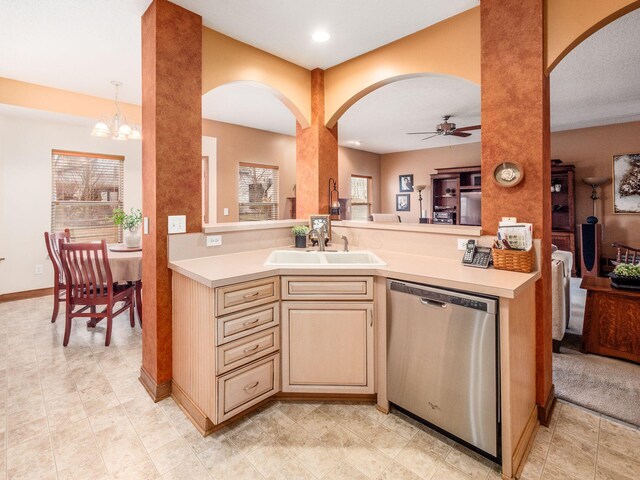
(403, 202)
(320, 221)
(406, 183)
(626, 183)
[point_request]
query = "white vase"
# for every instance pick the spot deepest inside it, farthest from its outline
(132, 238)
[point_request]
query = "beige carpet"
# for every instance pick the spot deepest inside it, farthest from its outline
(603, 384)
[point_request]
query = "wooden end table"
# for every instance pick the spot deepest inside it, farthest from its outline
(611, 320)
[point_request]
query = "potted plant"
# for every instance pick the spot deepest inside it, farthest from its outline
(131, 224)
(626, 275)
(300, 233)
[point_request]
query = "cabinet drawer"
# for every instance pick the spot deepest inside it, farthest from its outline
(327, 288)
(247, 322)
(245, 350)
(247, 386)
(245, 295)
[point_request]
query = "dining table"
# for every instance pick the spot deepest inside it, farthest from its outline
(126, 267)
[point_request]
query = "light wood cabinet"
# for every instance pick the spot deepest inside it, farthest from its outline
(327, 347)
(241, 324)
(239, 296)
(247, 386)
(327, 288)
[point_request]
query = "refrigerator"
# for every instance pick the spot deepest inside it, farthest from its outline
(470, 212)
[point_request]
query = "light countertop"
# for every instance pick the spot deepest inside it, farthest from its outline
(222, 270)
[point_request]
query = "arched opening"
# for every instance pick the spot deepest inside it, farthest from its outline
(375, 144)
(595, 116)
(249, 153)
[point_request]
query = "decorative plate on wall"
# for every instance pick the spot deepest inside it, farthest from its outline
(508, 174)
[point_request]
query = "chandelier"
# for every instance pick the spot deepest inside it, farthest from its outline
(117, 127)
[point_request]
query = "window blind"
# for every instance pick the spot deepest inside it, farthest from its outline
(257, 192)
(86, 188)
(360, 197)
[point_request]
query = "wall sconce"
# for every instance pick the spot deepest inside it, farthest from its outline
(423, 216)
(594, 182)
(334, 202)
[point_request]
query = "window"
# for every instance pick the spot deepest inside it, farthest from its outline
(257, 192)
(87, 187)
(360, 197)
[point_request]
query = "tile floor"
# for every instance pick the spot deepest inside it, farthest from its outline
(80, 413)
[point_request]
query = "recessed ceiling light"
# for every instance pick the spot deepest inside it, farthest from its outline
(320, 36)
(357, 142)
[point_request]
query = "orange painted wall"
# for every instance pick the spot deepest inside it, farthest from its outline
(451, 47)
(237, 144)
(591, 151)
(171, 161)
(421, 163)
(39, 97)
(316, 155)
(359, 162)
(225, 60)
(515, 91)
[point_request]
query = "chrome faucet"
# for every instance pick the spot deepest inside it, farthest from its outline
(321, 234)
(346, 243)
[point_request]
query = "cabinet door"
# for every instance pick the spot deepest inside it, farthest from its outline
(327, 348)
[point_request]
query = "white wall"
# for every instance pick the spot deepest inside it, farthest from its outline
(25, 190)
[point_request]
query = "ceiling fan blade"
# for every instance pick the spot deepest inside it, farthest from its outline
(473, 127)
(427, 138)
(460, 134)
(421, 133)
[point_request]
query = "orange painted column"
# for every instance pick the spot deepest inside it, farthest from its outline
(515, 126)
(171, 167)
(316, 155)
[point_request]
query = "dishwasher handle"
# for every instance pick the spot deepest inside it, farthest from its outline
(433, 303)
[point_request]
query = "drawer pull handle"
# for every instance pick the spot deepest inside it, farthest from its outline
(250, 295)
(247, 323)
(252, 386)
(251, 349)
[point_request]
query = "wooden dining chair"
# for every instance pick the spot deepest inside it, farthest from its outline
(89, 283)
(627, 254)
(51, 240)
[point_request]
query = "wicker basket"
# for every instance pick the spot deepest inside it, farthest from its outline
(514, 260)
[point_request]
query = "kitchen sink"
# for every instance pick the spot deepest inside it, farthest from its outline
(352, 258)
(321, 259)
(293, 257)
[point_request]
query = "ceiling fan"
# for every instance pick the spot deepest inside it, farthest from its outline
(446, 128)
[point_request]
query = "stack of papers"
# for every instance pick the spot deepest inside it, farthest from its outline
(517, 236)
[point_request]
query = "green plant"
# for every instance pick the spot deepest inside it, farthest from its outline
(627, 270)
(300, 231)
(129, 221)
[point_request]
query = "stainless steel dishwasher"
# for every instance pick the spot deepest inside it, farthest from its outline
(443, 361)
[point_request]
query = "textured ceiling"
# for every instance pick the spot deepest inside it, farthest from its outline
(381, 119)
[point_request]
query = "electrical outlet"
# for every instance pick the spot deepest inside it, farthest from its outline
(177, 223)
(39, 269)
(214, 240)
(462, 243)
(226, 212)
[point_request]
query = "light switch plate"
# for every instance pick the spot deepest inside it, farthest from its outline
(214, 240)
(177, 224)
(145, 226)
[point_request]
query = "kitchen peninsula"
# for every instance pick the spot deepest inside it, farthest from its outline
(245, 332)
